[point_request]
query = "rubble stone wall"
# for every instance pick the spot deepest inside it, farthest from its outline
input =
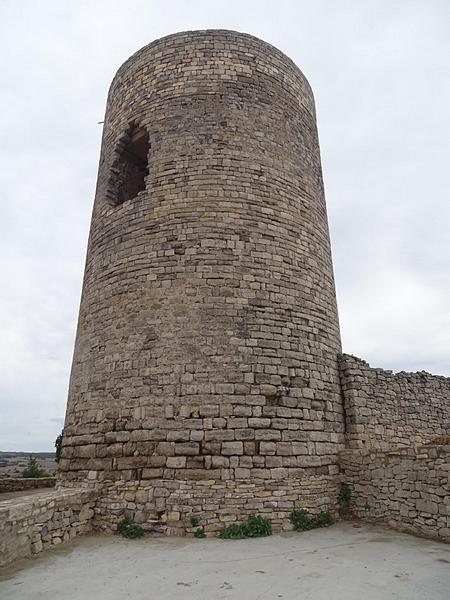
(30, 524)
(166, 506)
(12, 484)
(385, 409)
(409, 489)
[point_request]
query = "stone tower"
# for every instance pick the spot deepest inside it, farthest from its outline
(205, 374)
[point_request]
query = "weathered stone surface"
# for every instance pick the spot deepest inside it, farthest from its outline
(205, 376)
(232, 448)
(30, 524)
(176, 462)
(384, 409)
(407, 488)
(208, 301)
(217, 501)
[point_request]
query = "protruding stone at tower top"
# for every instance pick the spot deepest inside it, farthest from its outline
(208, 335)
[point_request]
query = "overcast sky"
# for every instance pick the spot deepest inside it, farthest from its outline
(380, 71)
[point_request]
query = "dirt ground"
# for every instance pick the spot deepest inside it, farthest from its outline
(343, 562)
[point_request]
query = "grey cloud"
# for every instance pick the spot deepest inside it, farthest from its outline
(379, 70)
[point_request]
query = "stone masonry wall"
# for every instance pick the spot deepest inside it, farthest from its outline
(409, 489)
(205, 375)
(208, 335)
(166, 506)
(12, 484)
(30, 524)
(384, 409)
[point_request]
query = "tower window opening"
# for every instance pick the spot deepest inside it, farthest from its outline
(130, 168)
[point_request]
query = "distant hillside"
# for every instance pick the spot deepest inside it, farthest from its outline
(13, 464)
(26, 454)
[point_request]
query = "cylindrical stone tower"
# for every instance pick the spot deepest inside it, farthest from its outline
(205, 377)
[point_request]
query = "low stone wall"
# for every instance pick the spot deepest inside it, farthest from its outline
(408, 489)
(166, 506)
(24, 483)
(385, 409)
(30, 524)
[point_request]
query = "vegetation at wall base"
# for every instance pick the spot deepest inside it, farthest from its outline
(323, 519)
(123, 524)
(255, 526)
(128, 529)
(303, 522)
(199, 533)
(58, 446)
(344, 494)
(344, 499)
(235, 531)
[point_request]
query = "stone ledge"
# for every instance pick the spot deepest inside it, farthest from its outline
(30, 524)
(24, 483)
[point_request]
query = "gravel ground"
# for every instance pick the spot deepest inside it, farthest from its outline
(346, 561)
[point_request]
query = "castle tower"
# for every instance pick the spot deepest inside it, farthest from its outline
(205, 375)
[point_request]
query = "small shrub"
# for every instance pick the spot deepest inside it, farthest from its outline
(123, 524)
(32, 470)
(235, 531)
(323, 519)
(133, 531)
(255, 526)
(195, 521)
(129, 529)
(344, 499)
(344, 494)
(303, 522)
(258, 526)
(199, 533)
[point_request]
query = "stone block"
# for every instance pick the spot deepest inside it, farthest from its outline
(232, 448)
(187, 448)
(176, 462)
